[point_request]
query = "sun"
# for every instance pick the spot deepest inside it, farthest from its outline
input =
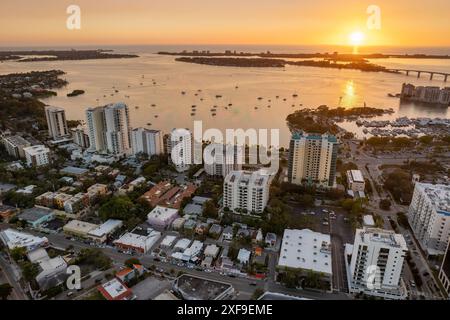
(356, 38)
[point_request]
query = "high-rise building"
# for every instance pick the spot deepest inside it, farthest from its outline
(429, 216)
(376, 264)
(145, 141)
(14, 145)
(109, 129)
(56, 122)
(37, 155)
(80, 137)
(247, 192)
(312, 159)
(444, 274)
(180, 146)
(221, 159)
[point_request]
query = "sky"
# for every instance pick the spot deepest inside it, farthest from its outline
(251, 22)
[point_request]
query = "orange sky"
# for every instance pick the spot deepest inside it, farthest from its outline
(284, 22)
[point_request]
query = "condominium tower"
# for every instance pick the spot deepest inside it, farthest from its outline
(109, 129)
(246, 192)
(56, 122)
(312, 159)
(376, 264)
(429, 216)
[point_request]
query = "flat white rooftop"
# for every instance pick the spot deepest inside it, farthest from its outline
(114, 288)
(106, 228)
(439, 195)
(306, 249)
(387, 238)
(168, 241)
(356, 175)
(162, 214)
(13, 239)
(182, 244)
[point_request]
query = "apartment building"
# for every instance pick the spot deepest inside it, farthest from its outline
(148, 142)
(38, 155)
(56, 122)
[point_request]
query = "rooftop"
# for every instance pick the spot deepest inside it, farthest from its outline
(306, 249)
(79, 226)
(196, 288)
(34, 214)
(309, 136)
(356, 175)
(106, 228)
(386, 237)
(115, 290)
(13, 239)
(162, 213)
(439, 196)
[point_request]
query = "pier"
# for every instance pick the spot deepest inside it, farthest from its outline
(420, 72)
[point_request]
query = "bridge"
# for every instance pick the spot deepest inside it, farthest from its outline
(420, 72)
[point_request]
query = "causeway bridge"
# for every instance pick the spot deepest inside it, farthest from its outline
(420, 72)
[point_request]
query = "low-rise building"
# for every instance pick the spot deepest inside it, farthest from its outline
(356, 183)
(212, 251)
(306, 250)
(36, 216)
(215, 230)
(7, 212)
(191, 287)
(270, 239)
(52, 270)
(116, 290)
(228, 233)
(101, 233)
(178, 223)
(182, 244)
(191, 253)
(79, 228)
(132, 242)
(15, 239)
(162, 217)
(244, 256)
(168, 241)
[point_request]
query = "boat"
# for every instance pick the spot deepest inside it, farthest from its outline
(149, 124)
(153, 105)
(213, 114)
(284, 99)
(193, 114)
(182, 92)
(295, 95)
(230, 104)
(218, 96)
(137, 107)
(268, 106)
(156, 116)
(260, 98)
(256, 108)
(117, 91)
(277, 97)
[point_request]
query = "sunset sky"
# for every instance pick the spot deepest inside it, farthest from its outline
(280, 22)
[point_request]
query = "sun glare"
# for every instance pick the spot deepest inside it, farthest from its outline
(356, 38)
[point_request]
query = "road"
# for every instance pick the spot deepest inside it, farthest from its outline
(7, 273)
(244, 287)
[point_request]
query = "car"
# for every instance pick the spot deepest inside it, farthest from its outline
(325, 223)
(252, 284)
(325, 211)
(157, 259)
(69, 294)
(412, 283)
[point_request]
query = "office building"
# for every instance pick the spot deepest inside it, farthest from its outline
(38, 155)
(56, 122)
(429, 217)
(312, 159)
(246, 192)
(148, 142)
(376, 263)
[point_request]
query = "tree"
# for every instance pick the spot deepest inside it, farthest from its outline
(5, 291)
(116, 208)
(210, 210)
(18, 253)
(29, 270)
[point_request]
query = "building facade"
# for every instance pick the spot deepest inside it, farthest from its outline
(56, 122)
(109, 129)
(180, 146)
(14, 145)
(376, 264)
(145, 141)
(444, 273)
(221, 159)
(429, 217)
(312, 159)
(246, 192)
(38, 155)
